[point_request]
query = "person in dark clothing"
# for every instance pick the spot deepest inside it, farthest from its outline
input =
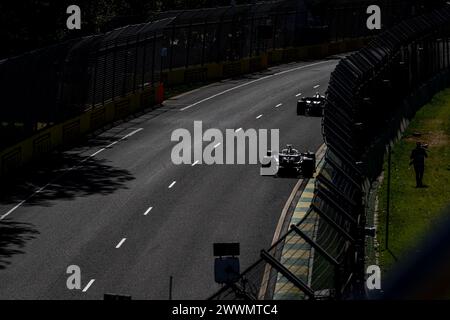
(417, 157)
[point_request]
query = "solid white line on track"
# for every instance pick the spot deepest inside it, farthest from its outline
(88, 285)
(96, 153)
(253, 81)
(115, 142)
(172, 184)
(13, 209)
(124, 137)
(68, 170)
(120, 243)
(148, 210)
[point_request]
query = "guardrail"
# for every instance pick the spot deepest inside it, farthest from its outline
(371, 96)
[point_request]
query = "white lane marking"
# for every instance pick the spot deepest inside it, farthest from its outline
(124, 137)
(237, 130)
(316, 86)
(88, 285)
(253, 81)
(298, 94)
(258, 117)
(120, 243)
(96, 153)
(13, 209)
(217, 145)
(195, 163)
(278, 105)
(148, 210)
(172, 184)
(68, 170)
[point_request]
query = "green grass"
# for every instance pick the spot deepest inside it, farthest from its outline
(414, 210)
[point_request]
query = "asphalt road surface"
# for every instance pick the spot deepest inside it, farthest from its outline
(118, 207)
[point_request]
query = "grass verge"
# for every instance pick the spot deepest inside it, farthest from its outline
(414, 210)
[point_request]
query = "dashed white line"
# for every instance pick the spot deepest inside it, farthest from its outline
(278, 105)
(172, 184)
(258, 117)
(217, 145)
(253, 81)
(120, 243)
(316, 86)
(298, 94)
(148, 211)
(237, 130)
(68, 170)
(88, 285)
(196, 162)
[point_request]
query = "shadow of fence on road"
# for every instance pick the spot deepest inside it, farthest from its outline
(13, 238)
(66, 176)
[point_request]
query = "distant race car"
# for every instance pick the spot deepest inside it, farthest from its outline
(311, 105)
(290, 159)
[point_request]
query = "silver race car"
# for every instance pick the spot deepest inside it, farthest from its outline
(311, 105)
(290, 160)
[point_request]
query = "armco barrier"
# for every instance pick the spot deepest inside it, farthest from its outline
(371, 97)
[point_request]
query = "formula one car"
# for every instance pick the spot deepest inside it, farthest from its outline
(290, 160)
(302, 162)
(311, 105)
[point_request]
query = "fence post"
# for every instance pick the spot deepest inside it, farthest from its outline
(252, 26)
(113, 87)
(205, 28)
(154, 59)
(104, 77)
(388, 198)
(144, 56)
(94, 80)
(136, 62)
(188, 47)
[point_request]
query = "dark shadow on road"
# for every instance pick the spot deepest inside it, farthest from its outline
(290, 174)
(114, 131)
(13, 237)
(91, 176)
(65, 176)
